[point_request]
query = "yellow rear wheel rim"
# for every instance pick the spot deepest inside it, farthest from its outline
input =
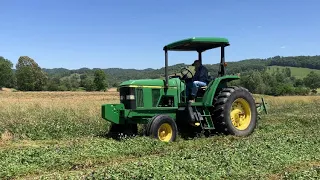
(240, 114)
(165, 132)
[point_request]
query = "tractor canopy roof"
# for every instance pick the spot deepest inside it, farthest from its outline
(197, 44)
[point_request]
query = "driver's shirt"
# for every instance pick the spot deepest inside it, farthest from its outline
(201, 74)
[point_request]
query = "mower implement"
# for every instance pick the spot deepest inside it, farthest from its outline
(164, 109)
(262, 107)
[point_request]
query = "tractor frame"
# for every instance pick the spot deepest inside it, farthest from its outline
(162, 107)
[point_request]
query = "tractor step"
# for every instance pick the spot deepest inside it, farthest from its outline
(203, 120)
(206, 115)
(208, 128)
(197, 116)
(203, 127)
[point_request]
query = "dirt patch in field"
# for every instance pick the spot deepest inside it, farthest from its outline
(112, 90)
(6, 136)
(294, 168)
(6, 90)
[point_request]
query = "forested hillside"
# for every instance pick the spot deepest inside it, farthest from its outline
(256, 75)
(119, 75)
(311, 62)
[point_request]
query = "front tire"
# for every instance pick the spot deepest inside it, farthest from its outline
(163, 128)
(235, 112)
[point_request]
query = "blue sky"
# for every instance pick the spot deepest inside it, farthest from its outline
(131, 34)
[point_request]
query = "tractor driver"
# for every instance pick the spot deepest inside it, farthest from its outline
(200, 79)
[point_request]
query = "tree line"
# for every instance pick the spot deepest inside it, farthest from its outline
(311, 62)
(29, 76)
(279, 82)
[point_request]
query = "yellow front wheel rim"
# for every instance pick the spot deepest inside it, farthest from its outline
(240, 114)
(165, 132)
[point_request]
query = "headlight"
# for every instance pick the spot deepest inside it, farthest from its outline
(130, 97)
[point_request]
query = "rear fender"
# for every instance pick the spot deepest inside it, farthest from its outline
(215, 86)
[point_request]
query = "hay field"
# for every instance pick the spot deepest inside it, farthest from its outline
(52, 115)
(59, 135)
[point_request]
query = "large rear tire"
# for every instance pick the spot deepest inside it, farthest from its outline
(235, 112)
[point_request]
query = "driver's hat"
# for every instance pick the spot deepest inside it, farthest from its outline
(195, 62)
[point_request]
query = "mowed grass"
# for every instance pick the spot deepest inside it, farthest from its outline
(297, 72)
(56, 136)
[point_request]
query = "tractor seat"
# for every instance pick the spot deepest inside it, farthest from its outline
(201, 91)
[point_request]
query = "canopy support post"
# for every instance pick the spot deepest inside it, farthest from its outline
(166, 69)
(200, 56)
(222, 62)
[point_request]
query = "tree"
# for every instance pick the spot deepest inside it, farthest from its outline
(287, 72)
(253, 82)
(29, 75)
(312, 80)
(298, 83)
(100, 80)
(75, 80)
(41, 80)
(6, 73)
(53, 84)
(115, 84)
(65, 84)
(87, 82)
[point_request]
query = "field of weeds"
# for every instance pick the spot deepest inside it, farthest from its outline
(59, 135)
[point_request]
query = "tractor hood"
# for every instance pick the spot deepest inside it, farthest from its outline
(151, 82)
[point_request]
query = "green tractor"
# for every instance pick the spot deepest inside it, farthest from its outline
(162, 106)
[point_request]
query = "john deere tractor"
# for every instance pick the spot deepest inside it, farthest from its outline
(162, 104)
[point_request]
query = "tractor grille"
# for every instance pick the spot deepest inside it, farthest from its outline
(155, 97)
(140, 97)
(127, 97)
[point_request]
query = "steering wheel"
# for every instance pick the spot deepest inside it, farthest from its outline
(184, 76)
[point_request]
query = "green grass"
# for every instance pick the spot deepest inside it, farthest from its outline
(284, 145)
(295, 71)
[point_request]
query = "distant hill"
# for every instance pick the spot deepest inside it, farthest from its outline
(304, 65)
(296, 72)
